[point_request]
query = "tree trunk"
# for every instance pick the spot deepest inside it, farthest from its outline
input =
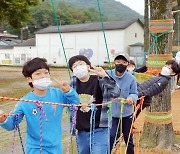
(146, 26)
(177, 25)
(155, 135)
(159, 136)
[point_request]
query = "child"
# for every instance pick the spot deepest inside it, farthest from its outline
(131, 67)
(177, 58)
(156, 85)
(96, 89)
(37, 73)
(128, 86)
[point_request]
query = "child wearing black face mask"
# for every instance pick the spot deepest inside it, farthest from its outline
(128, 87)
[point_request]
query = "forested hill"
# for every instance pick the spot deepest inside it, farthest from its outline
(112, 9)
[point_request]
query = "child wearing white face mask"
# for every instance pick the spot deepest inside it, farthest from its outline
(37, 73)
(177, 58)
(92, 89)
(131, 67)
(156, 85)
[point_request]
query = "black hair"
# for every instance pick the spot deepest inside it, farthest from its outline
(33, 65)
(120, 57)
(76, 58)
(132, 62)
(174, 66)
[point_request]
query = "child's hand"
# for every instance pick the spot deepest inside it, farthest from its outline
(2, 116)
(129, 100)
(99, 71)
(63, 85)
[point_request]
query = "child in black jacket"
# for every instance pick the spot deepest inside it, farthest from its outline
(156, 85)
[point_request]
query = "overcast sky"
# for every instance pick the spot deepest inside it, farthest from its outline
(137, 5)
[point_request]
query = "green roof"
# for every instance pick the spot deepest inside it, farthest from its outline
(137, 44)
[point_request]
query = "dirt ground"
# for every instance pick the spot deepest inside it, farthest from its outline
(13, 84)
(175, 102)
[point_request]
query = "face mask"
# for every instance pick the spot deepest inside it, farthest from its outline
(120, 68)
(80, 71)
(165, 71)
(178, 60)
(130, 69)
(42, 84)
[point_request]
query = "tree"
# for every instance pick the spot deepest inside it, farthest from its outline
(41, 16)
(177, 24)
(15, 12)
(160, 136)
(146, 26)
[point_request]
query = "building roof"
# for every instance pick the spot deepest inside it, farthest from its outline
(6, 47)
(96, 26)
(137, 44)
(30, 42)
(7, 35)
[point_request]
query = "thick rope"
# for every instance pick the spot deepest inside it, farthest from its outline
(102, 24)
(155, 42)
(60, 35)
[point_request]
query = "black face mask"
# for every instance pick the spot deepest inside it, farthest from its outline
(120, 68)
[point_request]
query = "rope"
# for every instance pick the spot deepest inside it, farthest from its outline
(156, 38)
(13, 143)
(19, 132)
(102, 24)
(52, 103)
(158, 118)
(38, 105)
(92, 126)
(16, 128)
(109, 125)
(133, 120)
(120, 120)
(74, 110)
(130, 133)
(60, 35)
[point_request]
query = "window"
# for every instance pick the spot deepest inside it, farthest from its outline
(135, 35)
(7, 56)
(23, 56)
(17, 60)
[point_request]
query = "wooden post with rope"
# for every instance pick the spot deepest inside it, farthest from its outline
(158, 130)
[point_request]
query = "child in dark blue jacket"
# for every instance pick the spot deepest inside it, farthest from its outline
(156, 85)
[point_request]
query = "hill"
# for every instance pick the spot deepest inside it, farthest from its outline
(112, 9)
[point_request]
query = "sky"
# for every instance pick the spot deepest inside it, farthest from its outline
(137, 5)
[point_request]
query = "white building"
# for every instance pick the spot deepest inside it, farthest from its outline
(18, 54)
(86, 39)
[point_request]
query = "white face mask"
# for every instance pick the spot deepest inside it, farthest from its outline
(178, 60)
(165, 71)
(130, 69)
(42, 83)
(80, 71)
